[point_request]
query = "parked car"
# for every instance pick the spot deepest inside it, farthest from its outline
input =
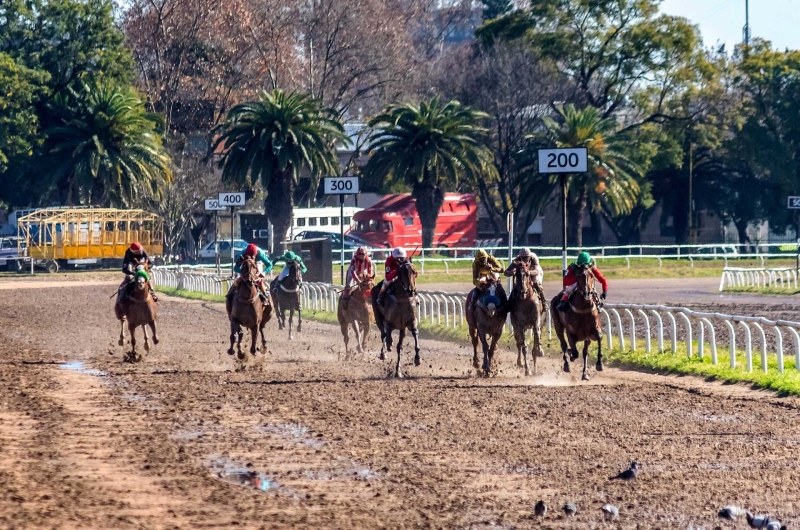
(207, 252)
(351, 243)
(9, 254)
(719, 251)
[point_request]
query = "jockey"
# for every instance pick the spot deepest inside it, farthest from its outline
(135, 255)
(571, 279)
(359, 265)
(259, 256)
(483, 266)
(528, 259)
(393, 264)
(288, 258)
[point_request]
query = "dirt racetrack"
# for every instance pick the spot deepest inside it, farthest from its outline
(301, 439)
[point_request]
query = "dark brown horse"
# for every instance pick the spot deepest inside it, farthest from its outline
(398, 311)
(247, 309)
(581, 322)
(487, 318)
(356, 311)
(138, 308)
(526, 313)
(287, 297)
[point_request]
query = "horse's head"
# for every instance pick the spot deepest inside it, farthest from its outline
(249, 270)
(406, 278)
(522, 279)
(365, 284)
(586, 283)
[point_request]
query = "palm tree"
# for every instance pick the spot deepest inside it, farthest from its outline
(270, 140)
(103, 147)
(428, 147)
(611, 182)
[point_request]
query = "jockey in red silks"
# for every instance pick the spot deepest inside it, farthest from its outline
(359, 265)
(571, 279)
(135, 255)
(393, 264)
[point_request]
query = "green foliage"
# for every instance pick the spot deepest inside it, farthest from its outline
(271, 140)
(20, 89)
(103, 148)
(429, 147)
(69, 39)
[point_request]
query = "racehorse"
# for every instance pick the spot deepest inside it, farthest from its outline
(247, 308)
(138, 308)
(398, 311)
(356, 312)
(526, 313)
(581, 322)
(487, 318)
(287, 296)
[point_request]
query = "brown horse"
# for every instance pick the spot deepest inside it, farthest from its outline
(526, 313)
(246, 308)
(138, 308)
(287, 297)
(581, 322)
(356, 312)
(398, 311)
(487, 318)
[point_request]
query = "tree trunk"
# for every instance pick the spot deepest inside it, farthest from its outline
(278, 205)
(575, 208)
(741, 229)
(429, 201)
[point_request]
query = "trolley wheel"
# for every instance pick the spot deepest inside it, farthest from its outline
(51, 267)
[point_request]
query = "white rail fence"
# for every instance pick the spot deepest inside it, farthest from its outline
(784, 278)
(629, 327)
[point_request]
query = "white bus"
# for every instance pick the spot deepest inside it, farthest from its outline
(324, 219)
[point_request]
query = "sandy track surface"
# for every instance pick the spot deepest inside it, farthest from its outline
(300, 438)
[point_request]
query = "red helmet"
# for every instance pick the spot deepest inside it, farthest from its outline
(136, 247)
(251, 250)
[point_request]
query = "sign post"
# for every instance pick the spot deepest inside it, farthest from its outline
(232, 200)
(213, 205)
(563, 161)
(341, 186)
(510, 228)
(794, 204)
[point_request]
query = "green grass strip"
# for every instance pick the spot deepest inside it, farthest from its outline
(763, 290)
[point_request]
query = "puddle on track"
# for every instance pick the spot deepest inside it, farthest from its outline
(293, 432)
(80, 367)
(238, 475)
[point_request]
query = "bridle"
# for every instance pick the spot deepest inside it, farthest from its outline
(586, 287)
(404, 278)
(522, 279)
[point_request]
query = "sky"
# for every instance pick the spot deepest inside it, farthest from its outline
(723, 20)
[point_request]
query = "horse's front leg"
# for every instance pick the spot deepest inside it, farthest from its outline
(573, 347)
(253, 339)
(263, 338)
(364, 332)
(485, 345)
(291, 321)
(537, 344)
(599, 366)
(522, 349)
(122, 332)
(155, 333)
(239, 336)
(473, 335)
(299, 318)
(132, 331)
(585, 375)
(493, 346)
(146, 338)
(401, 336)
(357, 331)
(415, 334)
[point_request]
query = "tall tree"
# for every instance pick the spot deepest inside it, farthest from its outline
(611, 181)
(270, 141)
(429, 147)
(103, 148)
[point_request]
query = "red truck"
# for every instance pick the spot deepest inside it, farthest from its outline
(394, 222)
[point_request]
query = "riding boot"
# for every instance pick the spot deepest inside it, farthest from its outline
(542, 297)
(153, 295)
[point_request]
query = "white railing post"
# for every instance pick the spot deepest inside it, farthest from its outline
(748, 345)
(646, 331)
(712, 340)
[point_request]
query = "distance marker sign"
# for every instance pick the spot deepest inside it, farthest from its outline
(794, 203)
(213, 205)
(340, 185)
(563, 160)
(231, 199)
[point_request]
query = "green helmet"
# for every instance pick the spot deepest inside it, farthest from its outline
(290, 256)
(584, 259)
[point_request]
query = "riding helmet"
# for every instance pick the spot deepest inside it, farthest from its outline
(399, 253)
(361, 251)
(136, 247)
(584, 259)
(251, 250)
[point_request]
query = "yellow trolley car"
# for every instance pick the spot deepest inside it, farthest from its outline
(56, 237)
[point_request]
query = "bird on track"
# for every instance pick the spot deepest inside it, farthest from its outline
(763, 522)
(610, 512)
(731, 512)
(540, 510)
(570, 509)
(629, 474)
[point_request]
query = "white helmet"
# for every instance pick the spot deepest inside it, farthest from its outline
(525, 253)
(399, 253)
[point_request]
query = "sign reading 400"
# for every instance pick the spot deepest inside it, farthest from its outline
(340, 185)
(231, 199)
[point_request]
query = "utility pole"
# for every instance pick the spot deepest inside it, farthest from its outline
(746, 32)
(691, 197)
